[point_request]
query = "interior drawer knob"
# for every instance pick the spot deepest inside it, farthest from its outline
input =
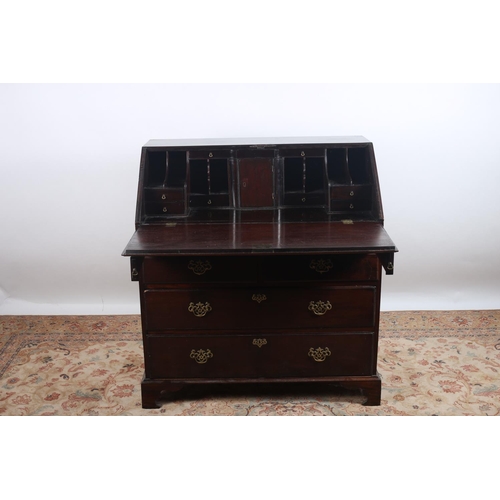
(319, 354)
(199, 309)
(259, 297)
(259, 342)
(321, 265)
(199, 267)
(201, 356)
(319, 308)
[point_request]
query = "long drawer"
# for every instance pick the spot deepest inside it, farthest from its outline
(260, 308)
(247, 355)
(271, 269)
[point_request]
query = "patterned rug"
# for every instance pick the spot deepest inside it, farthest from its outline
(431, 363)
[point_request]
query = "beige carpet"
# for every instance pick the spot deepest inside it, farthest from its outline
(431, 363)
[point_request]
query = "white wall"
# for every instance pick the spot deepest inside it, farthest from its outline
(69, 161)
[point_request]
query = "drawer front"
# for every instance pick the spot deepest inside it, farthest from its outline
(298, 199)
(321, 268)
(209, 154)
(166, 270)
(164, 195)
(353, 193)
(260, 308)
(350, 205)
(165, 208)
(207, 200)
(249, 355)
(303, 153)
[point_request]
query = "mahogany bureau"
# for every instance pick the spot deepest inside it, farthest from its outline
(258, 261)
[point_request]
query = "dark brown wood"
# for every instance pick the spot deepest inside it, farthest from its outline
(259, 261)
(261, 238)
(256, 182)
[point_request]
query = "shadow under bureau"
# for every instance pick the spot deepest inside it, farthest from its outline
(259, 261)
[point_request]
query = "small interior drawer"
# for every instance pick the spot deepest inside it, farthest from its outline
(165, 207)
(303, 152)
(160, 195)
(209, 154)
(351, 192)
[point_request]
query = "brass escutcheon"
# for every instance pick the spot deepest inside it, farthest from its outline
(210, 155)
(319, 308)
(199, 309)
(259, 297)
(165, 209)
(259, 342)
(319, 354)
(163, 197)
(321, 265)
(199, 267)
(201, 356)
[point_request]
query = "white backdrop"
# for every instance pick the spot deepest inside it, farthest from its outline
(69, 160)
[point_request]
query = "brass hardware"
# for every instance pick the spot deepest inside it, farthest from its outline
(163, 197)
(199, 309)
(171, 224)
(201, 356)
(259, 342)
(319, 308)
(209, 202)
(210, 155)
(347, 221)
(244, 184)
(319, 354)
(351, 193)
(199, 267)
(321, 265)
(302, 153)
(303, 200)
(165, 209)
(390, 266)
(259, 297)
(351, 206)
(134, 272)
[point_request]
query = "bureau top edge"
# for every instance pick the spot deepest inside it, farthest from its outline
(258, 142)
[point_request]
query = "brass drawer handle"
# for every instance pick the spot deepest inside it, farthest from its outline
(199, 309)
(259, 342)
(259, 297)
(319, 308)
(319, 354)
(201, 356)
(321, 265)
(199, 267)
